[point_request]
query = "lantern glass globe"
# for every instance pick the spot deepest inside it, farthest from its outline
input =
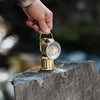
(53, 50)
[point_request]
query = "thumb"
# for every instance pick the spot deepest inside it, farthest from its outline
(43, 26)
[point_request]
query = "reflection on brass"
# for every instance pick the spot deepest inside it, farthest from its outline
(47, 64)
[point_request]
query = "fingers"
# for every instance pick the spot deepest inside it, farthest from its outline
(29, 23)
(43, 26)
(34, 26)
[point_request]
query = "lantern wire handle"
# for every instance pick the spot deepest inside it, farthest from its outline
(42, 34)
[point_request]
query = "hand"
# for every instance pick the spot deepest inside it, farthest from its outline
(40, 18)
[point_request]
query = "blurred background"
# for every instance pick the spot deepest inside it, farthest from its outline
(76, 28)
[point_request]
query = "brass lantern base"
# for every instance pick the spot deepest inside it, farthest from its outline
(46, 63)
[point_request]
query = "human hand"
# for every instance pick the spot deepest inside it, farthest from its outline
(40, 18)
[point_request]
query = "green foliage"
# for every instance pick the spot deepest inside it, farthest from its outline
(84, 27)
(65, 34)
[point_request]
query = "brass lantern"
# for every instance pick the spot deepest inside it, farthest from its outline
(50, 50)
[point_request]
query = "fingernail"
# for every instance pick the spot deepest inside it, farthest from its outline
(47, 31)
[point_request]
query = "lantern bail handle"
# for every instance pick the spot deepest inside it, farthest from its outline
(43, 34)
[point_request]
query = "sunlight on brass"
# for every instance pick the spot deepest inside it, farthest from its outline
(50, 50)
(47, 64)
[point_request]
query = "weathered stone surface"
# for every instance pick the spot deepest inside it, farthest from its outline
(69, 81)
